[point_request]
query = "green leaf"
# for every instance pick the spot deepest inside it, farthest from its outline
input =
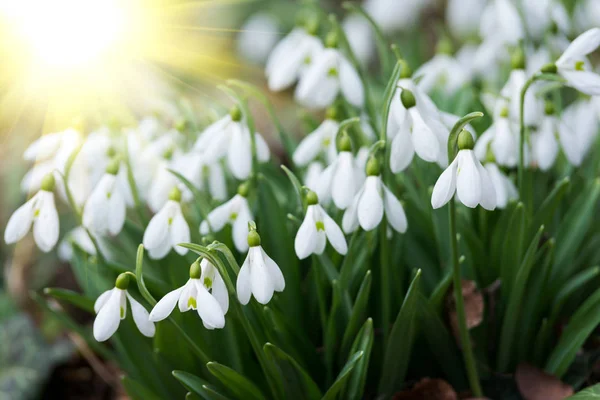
(397, 353)
(571, 286)
(512, 248)
(297, 383)
(197, 385)
(363, 342)
(137, 391)
(72, 297)
(240, 386)
(342, 378)
(515, 303)
(591, 393)
(388, 94)
(359, 312)
(547, 209)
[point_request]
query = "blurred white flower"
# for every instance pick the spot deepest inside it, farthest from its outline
(463, 16)
(79, 237)
(501, 20)
(505, 189)
(360, 37)
(339, 181)
(501, 137)
(392, 17)
(259, 275)
(329, 74)
(111, 308)
(321, 140)
(316, 229)
(442, 72)
(572, 64)
(39, 211)
(205, 292)
(313, 174)
(257, 37)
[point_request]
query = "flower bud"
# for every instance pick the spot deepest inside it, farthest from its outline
(180, 124)
(253, 238)
(408, 99)
(504, 112)
(549, 69)
(175, 194)
(345, 143)
(48, 182)
(444, 46)
(373, 167)
(312, 26)
(312, 198)
(549, 108)
(243, 189)
(122, 281)
(168, 153)
(332, 113)
(405, 71)
(111, 152)
(517, 60)
(235, 113)
(195, 270)
(465, 140)
(331, 40)
(113, 166)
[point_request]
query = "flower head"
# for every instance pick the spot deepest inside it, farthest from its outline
(204, 292)
(573, 66)
(321, 140)
(111, 308)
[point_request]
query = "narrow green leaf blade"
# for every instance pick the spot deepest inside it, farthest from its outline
(240, 386)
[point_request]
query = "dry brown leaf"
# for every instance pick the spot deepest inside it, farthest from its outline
(428, 389)
(474, 306)
(535, 384)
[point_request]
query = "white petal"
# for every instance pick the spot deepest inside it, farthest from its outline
(46, 225)
(239, 155)
(96, 209)
(545, 147)
(585, 81)
(394, 211)
(274, 272)
(424, 140)
(218, 217)
(350, 218)
(262, 285)
(217, 184)
(240, 231)
(108, 319)
(116, 216)
(101, 300)
(583, 45)
(262, 148)
(324, 183)
(334, 234)
(317, 89)
(211, 132)
(180, 233)
(321, 242)
(160, 251)
(243, 286)
(141, 318)
(219, 291)
(306, 238)
(570, 144)
(343, 186)
(165, 306)
(468, 181)
(209, 308)
(402, 151)
(350, 84)
(370, 206)
(158, 230)
(188, 291)
(488, 193)
(311, 145)
(20, 222)
(445, 186)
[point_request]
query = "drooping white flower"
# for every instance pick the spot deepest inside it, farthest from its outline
(360, 37)
(321, 140)
(572, 65)
(230, 137)
(577, 130)
(257, 37)
(313, 175)
(586, 14)
(111, 308)
(39, 211)
(540, 15)
(259, 275)
(339, 181)
(501, 20)
(291, 56)
(505, 189)
(167, 229)
(501, 137)
(204, 292)
(391, 18)
(370, 204)
(79, 237)
(512, 92)
(463, 16)
(465, 176)
(329, 74)
(414, 130)
(105, 209)
(442, 72)
(235, 212)
(316, 229)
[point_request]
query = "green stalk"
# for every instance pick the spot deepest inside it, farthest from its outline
(386, 297)
(133, 186)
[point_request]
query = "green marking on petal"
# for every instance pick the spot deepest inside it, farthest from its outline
(307, 60)
(320, 226)
(207, 282)
(108, 194)
(326, 142)
(233, 216)
(332, 72)
(579, 65)
(170, 221)
(36, 212)
(122, 312)
(192, 303)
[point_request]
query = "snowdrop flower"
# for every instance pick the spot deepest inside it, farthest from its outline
(360, 37)
(572, 64)
(581, 119)
(442, 72)
(104, 211)
(586, 14)
(313, 175)
(316, 229)
(390, 17)
(80, 237)
(204, 292)
(463, 17)
(505, 189)
(167, 229)
(415, 133)
(321, 140)
(465, 176)
(235, 212)
(512, 91)
(501, 20)
(291, 56)
(339, 181)
(373, 201)
(111, 308)
(259, 275)
(501, 138)
(230, 137)
(257, 37)
(39, 211)
(329, 74)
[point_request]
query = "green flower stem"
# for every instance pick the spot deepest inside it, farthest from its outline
(318, 278)
(386, 297)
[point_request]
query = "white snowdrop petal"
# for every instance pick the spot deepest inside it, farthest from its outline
(394, 212)
(219, 291)
(343, 186)
(335, 234)
(243, 286)
(570, 144)
(585, 81)
(350, 218)
(306, 237)
(424, 140)
(109, 317)
(262, 148)
(321, 242)
(209, 308)
(240, 232)
(101, 300)
(157, 230)
(488, 193)
(20, 222)
(262, 286)
(370, 206)
(584, 44)
(310, 146)
(274, 272)
(323, 188)
(165, 306)
(468, 181)
(160, 251)
(217, 184)
(116, 216)
(46, 224)
(445, 186)
(239, 155)
(351, 84)
(180, 233)
(141, 317)
(402, 150)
